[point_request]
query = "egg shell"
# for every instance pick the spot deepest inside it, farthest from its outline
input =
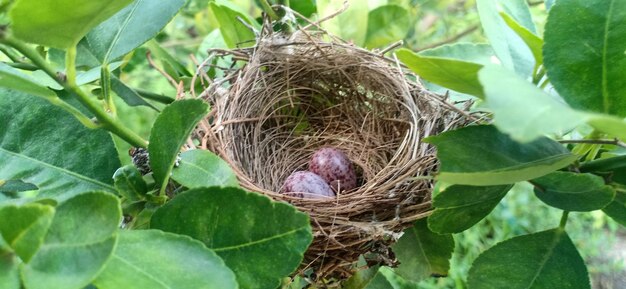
(306, 184)
(334, 167)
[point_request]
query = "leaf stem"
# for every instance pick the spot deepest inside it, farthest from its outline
(108, 122)
(70, 66)
(595, 141)
(563, 220)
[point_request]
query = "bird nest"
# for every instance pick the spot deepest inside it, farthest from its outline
(296, 94)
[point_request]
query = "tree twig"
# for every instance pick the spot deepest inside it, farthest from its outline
(451, 39)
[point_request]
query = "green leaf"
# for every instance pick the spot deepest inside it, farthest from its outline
(506, 93)
(423, 253)
(235, 33)
(543, 260)
(534, 42)
(9, 274)
(240, 227)
(387, 24)
(573, 192)
(43, 145)
(131, 27)
(304, 7)
(372, 278)
(60, 23)
(586, 63)
(79, 243)
(458, 208)
(482, 156)
(617, 208)
(507, 45)
(15, 79)
(129, 183)
(169, 133)
(458, 75)
(351, 25)
(26, 230)
(129, 95)
(158, 260)
(167, 59)
(202, 168)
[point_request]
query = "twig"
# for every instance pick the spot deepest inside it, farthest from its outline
(595, 141)
(454, 38)
(169, 77)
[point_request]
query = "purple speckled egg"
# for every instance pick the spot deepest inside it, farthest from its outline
(306, 184)
(334, 166)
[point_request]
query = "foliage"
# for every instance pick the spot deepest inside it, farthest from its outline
(71, 83)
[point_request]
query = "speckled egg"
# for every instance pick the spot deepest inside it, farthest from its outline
(334, 167)
(306, 184)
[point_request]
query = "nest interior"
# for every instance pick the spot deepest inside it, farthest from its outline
(298, 93)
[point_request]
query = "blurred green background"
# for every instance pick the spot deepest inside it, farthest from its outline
(425, 24)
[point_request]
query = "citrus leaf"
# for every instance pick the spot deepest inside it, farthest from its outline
(586, 63)
(617, 208)
(482, 156)
(202, 168)
(26, 230)
(507, 45)
(387, 24)
(131, 27)
(235, 33)
(541, 260)
(458, 75)
(15, 79)
(80, 241)
(506, 93)
(351, 24)
(130, 183)
(9, 273)
(170, 131)
(129, 95)
(534, 42)
(158, 260)
(60, 23)
(241, 226)
(573, 192)
(458, 207)
(43, 145)
(423, 253)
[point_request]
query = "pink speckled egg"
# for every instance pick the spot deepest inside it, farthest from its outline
(306, 184)
(334, 167)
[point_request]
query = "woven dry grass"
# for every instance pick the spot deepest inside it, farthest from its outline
(297, 94)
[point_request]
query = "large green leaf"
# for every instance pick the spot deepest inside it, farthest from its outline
(169, 133)
(423, 253)
(543, 260)
(458, 75)
(158, 260)
(617, 208)
(9, 274)
(43, 145)
(260, 240)
(459, 207)
(131, 27)
(201, 168)
(506, 93)
(372, 278)
(15, 79)
(60, 23)
(534, 42)
(508, 46)
(235, 33)
(387, 24)
(26, 230)
(586, 63)
(573, 192)
(470, 52)
(80, 241)
(483, 156)
(351, 25)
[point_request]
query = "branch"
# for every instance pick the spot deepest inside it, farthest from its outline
(454, 38)
(109, 123)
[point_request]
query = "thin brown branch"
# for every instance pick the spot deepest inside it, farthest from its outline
(453, 38)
